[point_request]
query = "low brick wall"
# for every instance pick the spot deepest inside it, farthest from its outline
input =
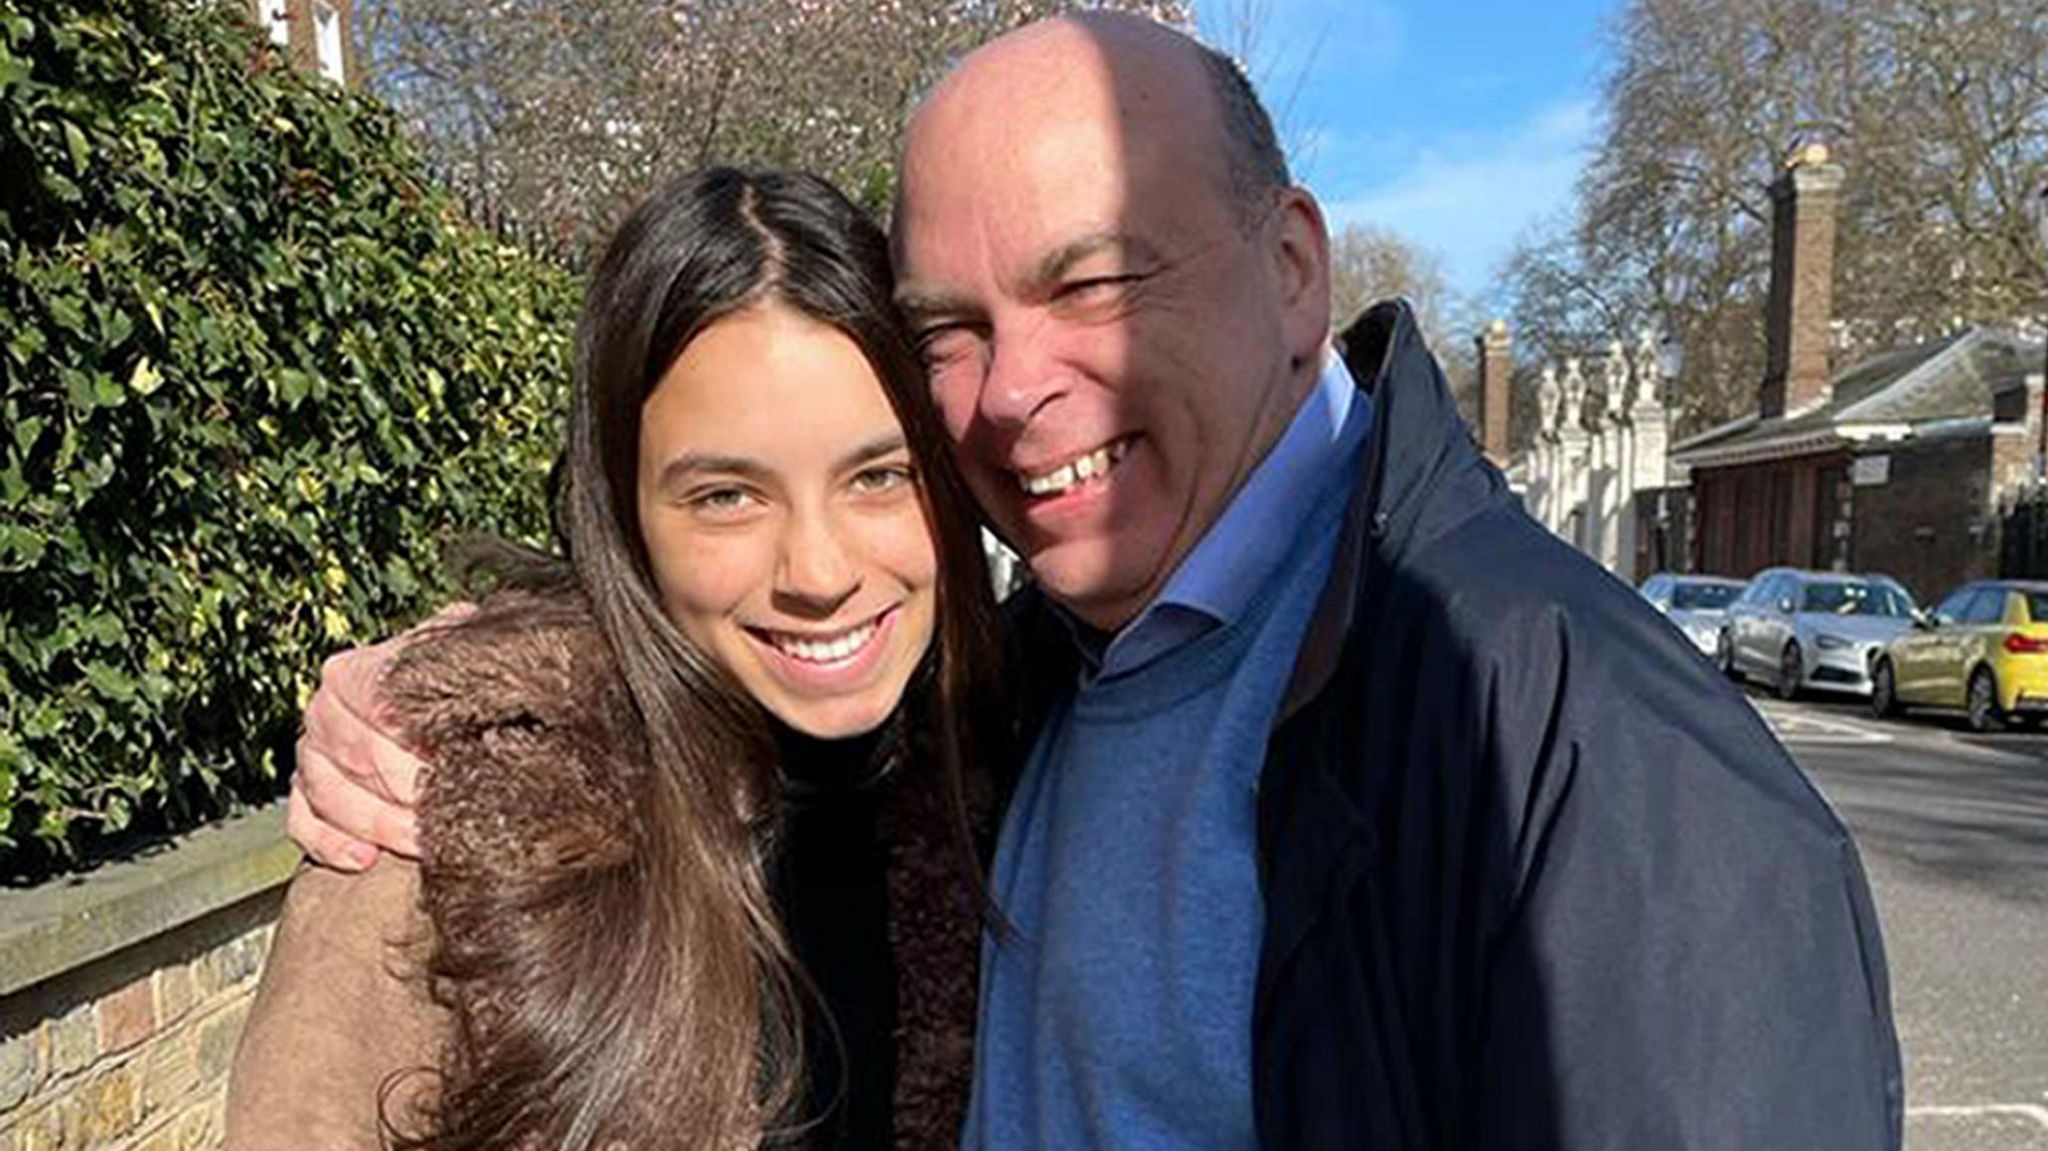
(122, 995)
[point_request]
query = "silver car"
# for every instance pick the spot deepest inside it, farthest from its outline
(1807, 629)
(1696, 604)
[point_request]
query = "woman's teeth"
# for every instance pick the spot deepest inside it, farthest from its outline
(1068, 476)
(825, 650)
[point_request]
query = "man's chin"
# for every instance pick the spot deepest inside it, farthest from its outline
(1089, 581)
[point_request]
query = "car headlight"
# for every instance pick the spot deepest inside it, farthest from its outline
(1827, 642)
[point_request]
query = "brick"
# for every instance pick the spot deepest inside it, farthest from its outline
(24, 1062)
(74, 1040)
(177, 991)
(164, 1137)
(127, 1017)
(205, 1126)
(218, 1036)
(170, 1073)
(228, 966)
(38, 1132)
(101, 1111)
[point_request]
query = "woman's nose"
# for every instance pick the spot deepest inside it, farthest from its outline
(816, 574)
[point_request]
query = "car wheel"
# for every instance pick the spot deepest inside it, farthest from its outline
(1884, 694)
(1791, 669)
(1725, 656)
(1982, 702)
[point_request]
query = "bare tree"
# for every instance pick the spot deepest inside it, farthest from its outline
(554, 115)
(1939, 111)
(1369, 264)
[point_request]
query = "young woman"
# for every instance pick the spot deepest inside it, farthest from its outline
(697, 870)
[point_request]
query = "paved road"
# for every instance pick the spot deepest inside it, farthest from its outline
(1953, 829)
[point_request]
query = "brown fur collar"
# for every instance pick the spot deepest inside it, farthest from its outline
(536, 749)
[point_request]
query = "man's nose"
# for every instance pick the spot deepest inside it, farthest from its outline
(815, 573)
(1023, 376)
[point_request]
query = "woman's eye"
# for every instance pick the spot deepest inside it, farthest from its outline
(872, 481)
(722, 501)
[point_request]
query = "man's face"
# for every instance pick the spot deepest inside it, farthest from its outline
(1108, 341)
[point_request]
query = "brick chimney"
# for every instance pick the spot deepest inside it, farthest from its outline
(1496, 378)
(1804, 202)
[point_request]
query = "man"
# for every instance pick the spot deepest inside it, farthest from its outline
(1361, 812)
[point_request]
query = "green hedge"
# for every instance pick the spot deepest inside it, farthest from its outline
(255, 376)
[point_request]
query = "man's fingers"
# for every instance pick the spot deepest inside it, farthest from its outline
(345, 722)
(323, 844)
(356, 784)
(335, 798)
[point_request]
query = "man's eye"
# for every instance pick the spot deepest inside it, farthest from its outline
(1098, 289)
(939, 345)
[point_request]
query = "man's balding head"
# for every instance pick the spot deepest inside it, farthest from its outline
(1252, 166)
(1120, 297)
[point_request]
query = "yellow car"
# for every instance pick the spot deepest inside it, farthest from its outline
(1979, 651)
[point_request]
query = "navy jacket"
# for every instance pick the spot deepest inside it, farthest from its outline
(1535, 876)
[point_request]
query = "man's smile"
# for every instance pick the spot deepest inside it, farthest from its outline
(1074, 472)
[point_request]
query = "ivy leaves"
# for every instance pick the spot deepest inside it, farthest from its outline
(253, 374)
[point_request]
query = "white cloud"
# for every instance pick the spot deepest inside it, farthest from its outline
(1467, 198)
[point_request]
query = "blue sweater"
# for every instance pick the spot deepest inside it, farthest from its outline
(1120, 1013)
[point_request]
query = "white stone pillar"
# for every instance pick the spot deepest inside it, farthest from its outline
(1616, 517)
(1547, 397)
(1575, 445)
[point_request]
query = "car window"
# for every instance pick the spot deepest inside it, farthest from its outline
(2037, 606)
(1689, 596)
(1761, 591)
(1853, 597)
(1658, 590)
(1952, 608)
(1782, 588)
(1987, 606)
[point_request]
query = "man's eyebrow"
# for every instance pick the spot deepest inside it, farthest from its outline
(1061, 260)
(919, 303)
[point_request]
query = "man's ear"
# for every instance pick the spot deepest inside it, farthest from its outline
(1300, 247)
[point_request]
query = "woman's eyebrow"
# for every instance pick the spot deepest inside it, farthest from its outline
(690, 463)
(885, 444)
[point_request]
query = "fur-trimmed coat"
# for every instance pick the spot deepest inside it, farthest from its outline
(534, 743)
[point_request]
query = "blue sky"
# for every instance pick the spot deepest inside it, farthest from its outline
(1458, 124)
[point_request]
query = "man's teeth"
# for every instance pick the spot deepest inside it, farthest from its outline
(824, 651)
(1066, 476)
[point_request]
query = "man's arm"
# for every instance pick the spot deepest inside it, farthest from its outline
(1694, 960)
(355, 786)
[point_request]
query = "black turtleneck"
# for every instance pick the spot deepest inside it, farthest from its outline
(831, 887)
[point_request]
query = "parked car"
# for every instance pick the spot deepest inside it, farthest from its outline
(1809, 629)
(1982, 650)
(1696, 603)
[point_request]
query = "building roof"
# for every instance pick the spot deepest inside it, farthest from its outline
(1891, 395)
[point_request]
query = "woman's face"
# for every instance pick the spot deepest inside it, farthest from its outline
(782, 519)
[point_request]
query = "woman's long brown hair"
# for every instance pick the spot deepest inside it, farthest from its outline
(655, 1006)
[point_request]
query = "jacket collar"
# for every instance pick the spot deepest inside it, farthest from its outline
(1422, 476)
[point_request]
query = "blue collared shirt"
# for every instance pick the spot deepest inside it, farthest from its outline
(1234, 557)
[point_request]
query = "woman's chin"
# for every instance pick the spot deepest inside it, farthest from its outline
(836, 718)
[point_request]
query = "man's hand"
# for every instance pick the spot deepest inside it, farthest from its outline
(355, 788)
